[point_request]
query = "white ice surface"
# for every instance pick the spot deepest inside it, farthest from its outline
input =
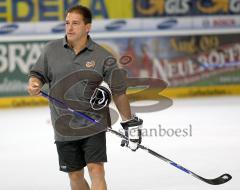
(28, 159)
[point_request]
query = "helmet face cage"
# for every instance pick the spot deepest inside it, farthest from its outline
(101, 98)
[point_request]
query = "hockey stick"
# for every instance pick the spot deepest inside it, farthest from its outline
(216, 181)
(77, 113)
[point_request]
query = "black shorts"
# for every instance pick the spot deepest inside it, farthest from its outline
(75, 155)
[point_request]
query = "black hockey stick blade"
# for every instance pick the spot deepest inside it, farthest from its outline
(219, 180)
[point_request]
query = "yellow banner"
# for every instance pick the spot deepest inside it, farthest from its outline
(181, 92)
(54, 10)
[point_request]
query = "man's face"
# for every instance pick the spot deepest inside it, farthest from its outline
(75, 27)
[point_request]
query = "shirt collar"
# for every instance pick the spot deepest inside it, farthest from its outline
(89, 46)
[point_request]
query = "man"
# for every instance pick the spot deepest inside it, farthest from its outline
(73, 67)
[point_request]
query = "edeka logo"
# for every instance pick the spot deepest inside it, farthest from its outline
(169, 23)
(60, 28)
(53, 10)
(116, 25)
(8, 28)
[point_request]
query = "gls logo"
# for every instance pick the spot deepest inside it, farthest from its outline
(169, 23)
(8, 28)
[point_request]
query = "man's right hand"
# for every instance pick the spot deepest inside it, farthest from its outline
(34, 86)
(132, 130)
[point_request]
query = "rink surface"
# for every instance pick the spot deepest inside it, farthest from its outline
(28, 159)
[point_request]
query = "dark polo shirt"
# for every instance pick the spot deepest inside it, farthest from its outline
(72, 78)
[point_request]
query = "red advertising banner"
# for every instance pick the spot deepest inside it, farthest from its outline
(201, 60)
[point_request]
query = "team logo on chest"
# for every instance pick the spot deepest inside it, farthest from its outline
(90, 64)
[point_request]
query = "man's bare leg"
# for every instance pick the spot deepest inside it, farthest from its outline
(77, 180)
(97, 175)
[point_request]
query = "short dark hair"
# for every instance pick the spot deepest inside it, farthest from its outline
(84, 11)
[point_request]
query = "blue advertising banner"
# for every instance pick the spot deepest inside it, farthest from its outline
(123, 25)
